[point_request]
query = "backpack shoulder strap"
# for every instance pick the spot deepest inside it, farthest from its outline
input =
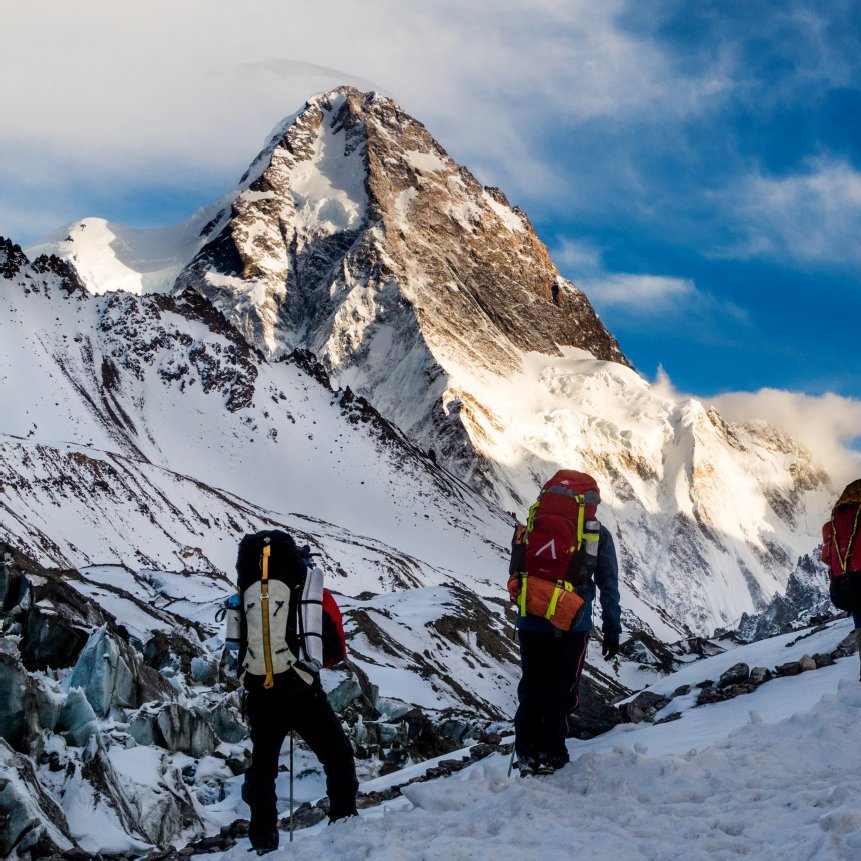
(843, 559)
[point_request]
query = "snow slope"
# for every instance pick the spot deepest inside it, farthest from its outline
(117, 393)
(772, 775)
(109, 256)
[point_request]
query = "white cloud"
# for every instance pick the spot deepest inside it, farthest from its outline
(581, 257)
(637, 299)
(812, 217)
(196, 85)
(825, 424)
(646, 294)
(637, 296)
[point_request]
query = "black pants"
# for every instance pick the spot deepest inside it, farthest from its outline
(310, 714)
(551, 666)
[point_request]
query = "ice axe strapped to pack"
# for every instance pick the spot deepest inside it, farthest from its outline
(557, 551)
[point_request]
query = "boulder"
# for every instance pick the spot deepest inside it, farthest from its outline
(344, 693)
(737, 674)
(238, 760)
(847, 646)
(806, 662)
(643, 707)
(758, 675)
(204, 670)
(173, 727)
(714, 695)
(227, 721)
(187, 730)
(792, 668)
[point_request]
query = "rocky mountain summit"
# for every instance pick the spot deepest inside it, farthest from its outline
(355, 235)
(354, 217)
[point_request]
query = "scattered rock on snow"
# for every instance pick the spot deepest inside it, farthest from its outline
(758, 675)
(791, 668)
(643, 707)
(736, 674)
(806, 663)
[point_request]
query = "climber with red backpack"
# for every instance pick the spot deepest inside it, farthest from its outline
(286, 627)
(557, 560)
(841, 552)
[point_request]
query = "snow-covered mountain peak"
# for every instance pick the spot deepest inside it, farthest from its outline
(356, 212)
(110, 257)
(354, 235)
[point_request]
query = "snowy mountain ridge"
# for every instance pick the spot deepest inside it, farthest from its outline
(356, 236)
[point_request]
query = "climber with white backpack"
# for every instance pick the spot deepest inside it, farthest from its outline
(285, 627)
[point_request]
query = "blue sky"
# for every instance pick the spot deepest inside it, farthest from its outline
(694, 166)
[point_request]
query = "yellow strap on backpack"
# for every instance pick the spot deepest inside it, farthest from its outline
(561, 586)
(581, 517)
(264, 604)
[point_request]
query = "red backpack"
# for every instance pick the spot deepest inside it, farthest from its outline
(334, 641)
(557, 551)
(841, 549)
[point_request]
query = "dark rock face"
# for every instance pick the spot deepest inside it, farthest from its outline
(806, 598)
(595, 713)
(142, 326)
(52, 619)
(12, 258)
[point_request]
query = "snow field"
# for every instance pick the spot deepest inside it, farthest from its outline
(786, 788)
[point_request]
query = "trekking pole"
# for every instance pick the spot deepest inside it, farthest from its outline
(291, 785)
(511, 761)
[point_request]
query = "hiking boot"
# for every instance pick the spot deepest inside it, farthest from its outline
(264, 843)
(526, 765)
(549, 764)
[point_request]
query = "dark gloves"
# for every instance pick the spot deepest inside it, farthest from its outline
(610, 648)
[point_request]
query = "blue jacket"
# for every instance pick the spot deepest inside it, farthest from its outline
(607, 581)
